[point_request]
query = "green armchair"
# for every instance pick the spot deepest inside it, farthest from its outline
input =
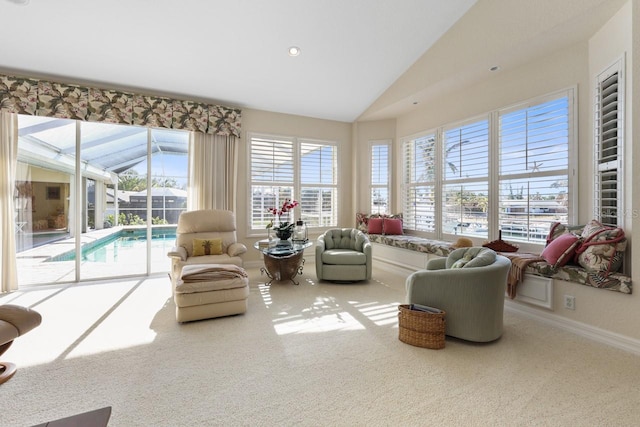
(469, 285)
(343, 255)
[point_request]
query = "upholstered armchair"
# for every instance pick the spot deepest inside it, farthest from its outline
(15, 321)
(469, 285)
(343, 255)
(205, 237)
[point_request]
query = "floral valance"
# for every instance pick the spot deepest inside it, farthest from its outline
(49, 99)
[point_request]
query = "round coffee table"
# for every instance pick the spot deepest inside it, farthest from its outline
(282, 260)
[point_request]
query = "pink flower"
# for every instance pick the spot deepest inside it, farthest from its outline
(287, 206)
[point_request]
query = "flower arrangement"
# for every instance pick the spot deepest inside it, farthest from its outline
(284, 228)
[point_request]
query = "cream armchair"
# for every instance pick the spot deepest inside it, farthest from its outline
(469, 285)
(205, 237)
(343, 255)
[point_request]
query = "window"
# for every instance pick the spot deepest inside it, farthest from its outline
(419, 183)
(380, 155)
(293, 168)
(534, 145)
(608, 134)
(509, 172)
(318, 184)
(465, 187)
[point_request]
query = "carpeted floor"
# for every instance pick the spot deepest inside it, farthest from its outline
(317, 354)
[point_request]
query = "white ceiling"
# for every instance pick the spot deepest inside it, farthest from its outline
(361, 59)
(229, 52)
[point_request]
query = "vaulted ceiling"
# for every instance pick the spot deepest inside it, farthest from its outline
(360, 59)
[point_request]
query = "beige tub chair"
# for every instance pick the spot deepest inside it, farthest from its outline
(471, 292)
(205, 237)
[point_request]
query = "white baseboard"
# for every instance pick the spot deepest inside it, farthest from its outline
(591, 332)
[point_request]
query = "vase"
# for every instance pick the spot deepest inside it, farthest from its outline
(284, 234)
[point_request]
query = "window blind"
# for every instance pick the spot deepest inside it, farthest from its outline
(608, 146)
(534, 153)
(272, 177)
(419, 183)
(319, 189)
(465, 189)
(379, 184)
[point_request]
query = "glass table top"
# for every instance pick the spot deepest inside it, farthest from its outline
(281, 248)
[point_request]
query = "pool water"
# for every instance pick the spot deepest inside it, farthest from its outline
(126, 245)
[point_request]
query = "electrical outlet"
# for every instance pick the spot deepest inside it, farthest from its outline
(570, 302)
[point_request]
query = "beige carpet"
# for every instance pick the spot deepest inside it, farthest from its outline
(317, 354)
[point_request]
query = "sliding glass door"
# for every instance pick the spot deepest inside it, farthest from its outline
(96, 200)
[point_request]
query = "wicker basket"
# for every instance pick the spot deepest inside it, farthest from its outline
(421, 328)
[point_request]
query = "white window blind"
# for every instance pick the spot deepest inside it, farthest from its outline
(465, 188)
(272, 177)
(608, 146)
(319, 183)
(419, 183)
(379, 172)
(534, 145)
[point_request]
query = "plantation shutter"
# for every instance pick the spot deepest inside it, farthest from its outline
(465, 189)
(608, 147)
(534, 153)
(272, 177)
(380, 178)
(419, 183)
(318, 184)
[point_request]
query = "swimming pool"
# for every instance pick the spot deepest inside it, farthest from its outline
(124, 245)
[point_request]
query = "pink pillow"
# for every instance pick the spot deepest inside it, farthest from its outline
(561, 249)
(392, 226)
(375, 226)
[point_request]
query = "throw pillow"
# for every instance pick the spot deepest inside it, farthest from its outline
(470, 257)
(561, 249)
(203, 247)
(558, 229)
(362, 222)
(462, 261)
(392, 226)
(375, 226)
(602, 250)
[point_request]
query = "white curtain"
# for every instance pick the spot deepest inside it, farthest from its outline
(212, 172)
(8, 164)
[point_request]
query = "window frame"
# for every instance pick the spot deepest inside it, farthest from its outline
(614, 166)
(471, 181)
(493, 155)
(295, 183)
(409, 183)
(531, 177)
(386, 186)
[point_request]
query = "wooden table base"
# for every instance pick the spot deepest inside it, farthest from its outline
(280, 268)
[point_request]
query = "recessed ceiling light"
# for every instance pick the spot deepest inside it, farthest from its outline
(494, 68)
(294, 51)
(20, 2)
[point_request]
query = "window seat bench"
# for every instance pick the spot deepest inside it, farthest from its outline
(412, 253)
(574, 273)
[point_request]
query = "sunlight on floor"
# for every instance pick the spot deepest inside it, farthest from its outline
(325, 313)
(114, 315)
(379, 314)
